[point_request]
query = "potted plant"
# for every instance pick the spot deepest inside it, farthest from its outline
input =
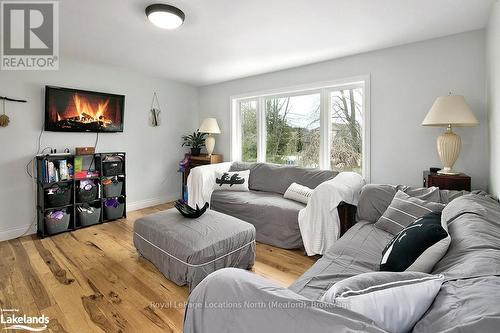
(196, 141)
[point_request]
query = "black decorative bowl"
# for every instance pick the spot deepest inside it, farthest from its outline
(188, 211)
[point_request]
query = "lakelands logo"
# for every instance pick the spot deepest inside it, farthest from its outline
(12, 321)
(30, 35)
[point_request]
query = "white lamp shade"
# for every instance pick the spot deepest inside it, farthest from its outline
(209, 125)
(450, 110)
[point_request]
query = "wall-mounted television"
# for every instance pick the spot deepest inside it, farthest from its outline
(74, 110)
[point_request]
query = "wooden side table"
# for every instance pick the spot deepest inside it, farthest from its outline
(447, 182)
(194, 161)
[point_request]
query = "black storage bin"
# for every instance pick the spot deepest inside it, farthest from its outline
(88, 193)
(88, 215)
(112, 166)
(113, 212)
(58, 195)
(57, 225)
(113, 189)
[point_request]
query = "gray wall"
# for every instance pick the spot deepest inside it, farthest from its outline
(493, 55)
(153, 153)
(405, 81)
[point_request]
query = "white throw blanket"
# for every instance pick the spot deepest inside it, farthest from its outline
(319, 222)
(201, 181)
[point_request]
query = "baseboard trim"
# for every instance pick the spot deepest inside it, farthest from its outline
(12, 233)
(136, 205)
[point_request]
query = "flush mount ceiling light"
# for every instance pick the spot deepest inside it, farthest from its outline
(165, 16)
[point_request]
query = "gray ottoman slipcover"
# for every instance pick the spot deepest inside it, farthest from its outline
(187, 250)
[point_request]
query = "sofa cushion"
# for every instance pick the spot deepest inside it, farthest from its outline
(403, 211)
(417, 247)
(277, 178)
(231, 181)
(359, 250)
(375, 198)
(474, 226)
(379, 295)
(274, 217)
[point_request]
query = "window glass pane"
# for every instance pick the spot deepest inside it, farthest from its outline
(248, 117)
(347, 130)
(293, 133)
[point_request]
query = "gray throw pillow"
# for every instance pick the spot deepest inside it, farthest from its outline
(394, 301)
(403, 211)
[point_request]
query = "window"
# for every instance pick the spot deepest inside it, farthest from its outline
(292, 130)
(324, 125)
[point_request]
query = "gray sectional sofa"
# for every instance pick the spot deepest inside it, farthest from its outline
(274, 217)
(467, 302)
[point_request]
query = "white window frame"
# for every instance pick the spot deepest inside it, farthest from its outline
(324, 89)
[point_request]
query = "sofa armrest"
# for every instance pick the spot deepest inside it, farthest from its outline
(235, 300)
(201, 181)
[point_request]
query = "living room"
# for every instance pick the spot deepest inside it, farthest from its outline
(233, 166)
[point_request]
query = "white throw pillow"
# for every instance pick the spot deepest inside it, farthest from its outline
(394, 301)
(298, 193)
(231, 181)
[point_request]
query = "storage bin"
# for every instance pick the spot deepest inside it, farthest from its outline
(113, 189)
(114, 208)
(112, 166)
(88, 215)
(58, 195)
(55, 223)
(87, 193)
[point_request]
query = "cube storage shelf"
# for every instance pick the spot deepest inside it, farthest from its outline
(71, 196)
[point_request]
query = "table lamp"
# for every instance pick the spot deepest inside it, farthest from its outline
(448, 111)
(210, 126)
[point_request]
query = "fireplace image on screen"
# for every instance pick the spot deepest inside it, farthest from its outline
(72, 110)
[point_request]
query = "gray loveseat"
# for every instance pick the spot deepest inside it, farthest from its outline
(467, 302)
(274, 217)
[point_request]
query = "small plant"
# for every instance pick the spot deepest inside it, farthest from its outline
(196, 141)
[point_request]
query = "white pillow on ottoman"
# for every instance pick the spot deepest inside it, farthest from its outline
(232, 181)
(394, 301)
(298, 193)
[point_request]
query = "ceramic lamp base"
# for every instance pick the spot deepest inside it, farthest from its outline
(448, 146)
(210, 144)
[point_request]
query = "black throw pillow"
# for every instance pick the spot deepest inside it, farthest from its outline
(417, 247)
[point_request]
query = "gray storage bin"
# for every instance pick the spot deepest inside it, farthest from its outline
(113, 189)
(113, 213)
(85, 219)
(54, 226)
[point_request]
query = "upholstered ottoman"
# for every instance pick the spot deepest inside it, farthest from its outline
(187, 250)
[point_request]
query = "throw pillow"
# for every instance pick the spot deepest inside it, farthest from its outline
(232, 181)
(418, 247)
(403, 211)
(298, 193)
(394, 301)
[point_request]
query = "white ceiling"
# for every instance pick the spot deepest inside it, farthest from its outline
(228, 39)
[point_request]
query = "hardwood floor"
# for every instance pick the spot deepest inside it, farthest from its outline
(92, 280)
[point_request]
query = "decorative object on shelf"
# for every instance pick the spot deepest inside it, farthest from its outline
(4, 119)
(188, 211)
(448, 111)
(196, 141)
(210, 126)
(165, 16)
(184, 163)
(155, 111)
(85, 150)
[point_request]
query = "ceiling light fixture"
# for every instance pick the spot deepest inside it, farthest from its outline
(165, 16)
